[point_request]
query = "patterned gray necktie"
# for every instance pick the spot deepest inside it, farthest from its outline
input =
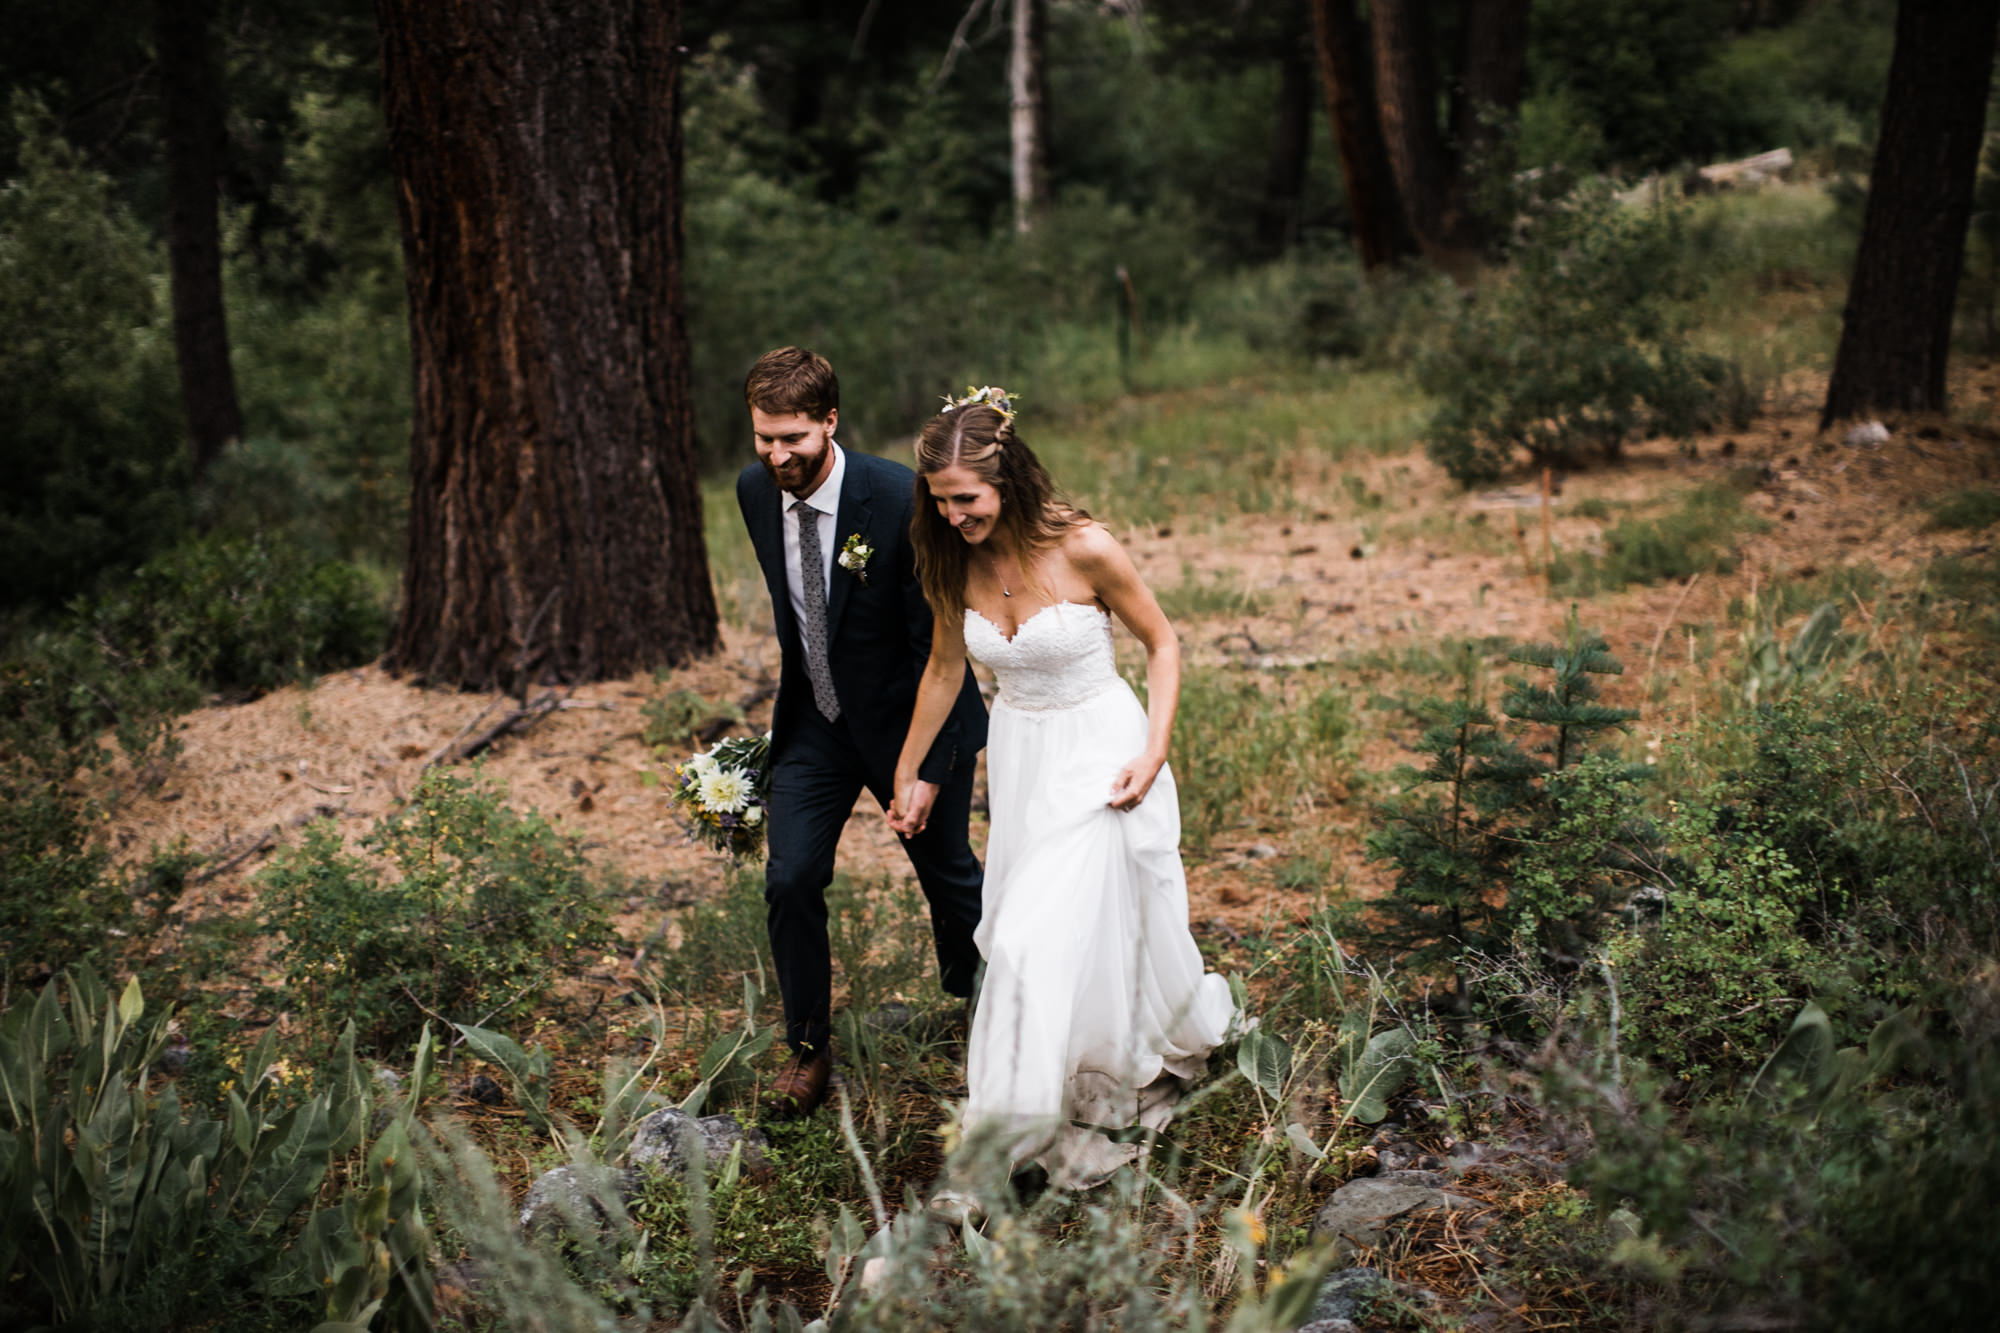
(812, 586)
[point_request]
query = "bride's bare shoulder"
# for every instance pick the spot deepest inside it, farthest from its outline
(1090, 548)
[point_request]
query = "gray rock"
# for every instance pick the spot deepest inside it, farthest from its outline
(1262, 851)
(658, 1141)
(1869, 433)
(891, 1017)
(1361, 1212)
(1330, 1326)
(573, 1194)
(388, 1079)
(1343, 1294)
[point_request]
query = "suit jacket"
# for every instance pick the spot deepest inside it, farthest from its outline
(878, 632)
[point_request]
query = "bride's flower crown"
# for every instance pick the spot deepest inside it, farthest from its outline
(991, 396)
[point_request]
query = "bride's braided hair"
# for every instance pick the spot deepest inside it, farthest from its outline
(980, 438)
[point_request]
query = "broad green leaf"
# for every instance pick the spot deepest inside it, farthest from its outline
(291, 1168)
(1266, 1061)
(420, 1070)
(1897, 1043)
(1384, 1066)
(1295, 1134)
(1803, 1064)
(131, 1004)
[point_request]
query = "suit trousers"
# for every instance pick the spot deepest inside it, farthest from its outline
(814, 786)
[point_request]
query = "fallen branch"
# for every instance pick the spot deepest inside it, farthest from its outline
(713, 730)
(265, 840)
(520, 720)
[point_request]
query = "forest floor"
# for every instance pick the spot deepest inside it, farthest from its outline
(1372, 566)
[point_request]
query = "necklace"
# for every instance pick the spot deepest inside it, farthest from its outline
(1005, 591)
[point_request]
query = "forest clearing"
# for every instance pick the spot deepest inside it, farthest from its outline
(1563, 439)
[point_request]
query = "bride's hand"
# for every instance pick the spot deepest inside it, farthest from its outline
(1133, 782)
(910, 811)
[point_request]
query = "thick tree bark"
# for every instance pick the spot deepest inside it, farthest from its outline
(1495, 71)
(1435, 173)
(1896, 332)
(1381, 233)
(1028, 118)
(1406, 99)
(555, 511)
(1291, 142)
(191, 116)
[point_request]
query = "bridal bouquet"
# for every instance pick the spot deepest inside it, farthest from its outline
(722, 792)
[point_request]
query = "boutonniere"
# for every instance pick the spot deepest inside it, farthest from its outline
(854, 557)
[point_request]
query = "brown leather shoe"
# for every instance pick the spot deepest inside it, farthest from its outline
(802, 1087)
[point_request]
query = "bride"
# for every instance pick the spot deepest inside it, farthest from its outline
(1094, 1005)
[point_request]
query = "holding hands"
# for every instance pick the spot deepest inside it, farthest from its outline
(910, 811)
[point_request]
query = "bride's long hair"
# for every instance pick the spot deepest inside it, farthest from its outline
(1033, 512)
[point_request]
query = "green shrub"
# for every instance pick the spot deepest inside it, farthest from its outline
(1697, 538)
(1978, 507)
(93, 474)
(59, 902)
(1581, 349)
(485, 910)
(1510, 839)
(1711, 988)
(239, 617)
(120, 1207)
(210, 616)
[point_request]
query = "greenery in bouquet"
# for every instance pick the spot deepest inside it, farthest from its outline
(722, 793)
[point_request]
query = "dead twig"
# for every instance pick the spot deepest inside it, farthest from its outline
(1653, 658)
(712, 731)
(520, 720)
(264, 841)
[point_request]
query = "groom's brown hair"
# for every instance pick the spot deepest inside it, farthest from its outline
(792, 379)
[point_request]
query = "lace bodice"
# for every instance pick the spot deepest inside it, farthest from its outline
(1059, 657)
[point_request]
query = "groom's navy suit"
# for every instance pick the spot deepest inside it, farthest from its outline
(878, 639)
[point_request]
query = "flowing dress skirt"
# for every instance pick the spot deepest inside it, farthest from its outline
(1095, 1005)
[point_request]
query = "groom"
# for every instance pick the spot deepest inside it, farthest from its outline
(831, 529)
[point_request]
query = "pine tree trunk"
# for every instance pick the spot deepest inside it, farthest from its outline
(1896, 333)
(1381, 233)
(1406, 99)
(1028, 119)
(191, 117)
(1495, 69)
(1278, 214)
(555, 510)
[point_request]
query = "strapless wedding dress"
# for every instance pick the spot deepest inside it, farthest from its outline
(1095, 1006)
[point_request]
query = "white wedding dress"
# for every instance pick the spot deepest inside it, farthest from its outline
(1095, 1006)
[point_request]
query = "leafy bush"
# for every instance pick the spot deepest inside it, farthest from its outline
(94, 470)
(487, 910)
(121, 1207)
(239, 617)
(58, 901)
(1583, 348)
(1712, 987)
(208, 616)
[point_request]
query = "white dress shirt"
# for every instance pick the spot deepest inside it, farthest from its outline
(826, 501)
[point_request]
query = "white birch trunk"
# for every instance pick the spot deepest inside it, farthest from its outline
(1029, 115)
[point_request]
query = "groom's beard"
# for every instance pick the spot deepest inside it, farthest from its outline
(798, 474)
